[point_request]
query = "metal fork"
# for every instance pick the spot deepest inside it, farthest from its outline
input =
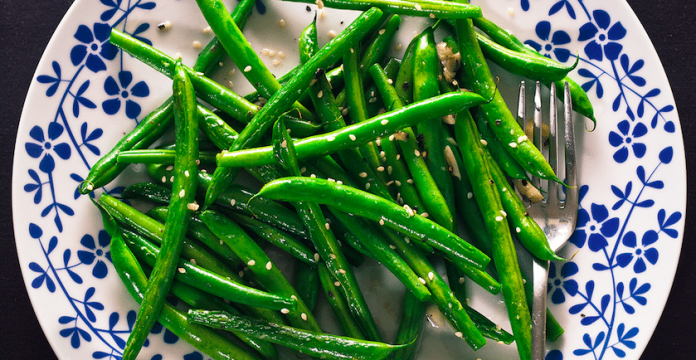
(556, 216)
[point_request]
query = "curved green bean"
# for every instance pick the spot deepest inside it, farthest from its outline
(424, 8)
(338, 304)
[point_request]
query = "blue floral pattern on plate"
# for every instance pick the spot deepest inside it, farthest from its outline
(625, 233)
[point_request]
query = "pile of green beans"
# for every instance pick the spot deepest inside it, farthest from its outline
(360, 156)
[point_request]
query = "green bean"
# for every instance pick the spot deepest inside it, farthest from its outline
(208, 281)
(183, 193)
(307, 283)
(501, 156)
(157, 122)
(423, 8)
(581, 103)
(241, 52)
(504, 253)
(403, 85)
(276, 237)
(200, 300)
(280, 101)
(380, 250)
(357, 111)
(443, 297)
(378, 126)
(435, 203)
(266, 273)
(410, 328)
(204, 339)
(477, 77)
(198, 231)
(237, 198)
(216, 129)
(527, 65)
(328, 112)
(425, 85)
(324, 241)
(338, 304)
(159, 156)
(389, 214)
(527, 230)
(312, 343)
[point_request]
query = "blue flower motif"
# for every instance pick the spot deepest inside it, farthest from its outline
(594, 229)
(559, 282)
(45, 147)
(123, 91)
(603, 35)
(95, 47)
(641, 252)
(551, 42)
(625, 138)
(96, 251)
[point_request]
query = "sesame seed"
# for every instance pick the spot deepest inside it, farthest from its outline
(372, 100)
(461, 280)
(410, 181)
(331, 138)
(314, 81)
(170, 168)
(232, 202)
(231, 72)
(378, 141)
(269, 265)
(458, 334)
(332, 256)
(293, 297)
(164, 179)
(398, 156)
(281, 54)
(389, 169)
(197, 44)
(316, 257)
(418, 7)
(192, 206)
(399, 46)
(518, 230)
(186, 173)
(425, 214)
(380, 168)
(352, 137)
(247, 68)
(503, 212)
(389, 183)
(416, 152)
(381, 221)
(384, 122)
(322, 14)
(327, 226)
(275, 62)
(522, 138)
(332, 34)
(165, 25)
(271, 53)
(341, 271)
(432, 16)
(392, 247)
(422, 281)
(284, 144)
(251, 262)
(171, 178)
(281, 22)
(320, 94)
(363, 174)
(484, 142)
(337, 283)
(513, 144)
(512, 132)
(230, 84)
(390, 81)
(498, 218)
(182, 270)
(431, 275)
(344, 112)
(182, 193)
(304, 316)
(284, 311)
(469, 195)
(208, 30)
(313, 176)
(320, 4)
(352, 51)
(381, 32)
(177, 56)
(367, 186)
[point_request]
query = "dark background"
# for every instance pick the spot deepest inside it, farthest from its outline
(27, 26)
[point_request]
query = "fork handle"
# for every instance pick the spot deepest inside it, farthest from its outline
(540, 276)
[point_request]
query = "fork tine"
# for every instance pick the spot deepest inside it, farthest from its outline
(538, 126)
(522, 106)
(553, 145)
(570, 159)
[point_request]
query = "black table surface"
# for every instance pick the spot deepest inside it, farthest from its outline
(27, 26)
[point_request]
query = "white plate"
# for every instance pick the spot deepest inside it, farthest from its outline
(609, 297)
